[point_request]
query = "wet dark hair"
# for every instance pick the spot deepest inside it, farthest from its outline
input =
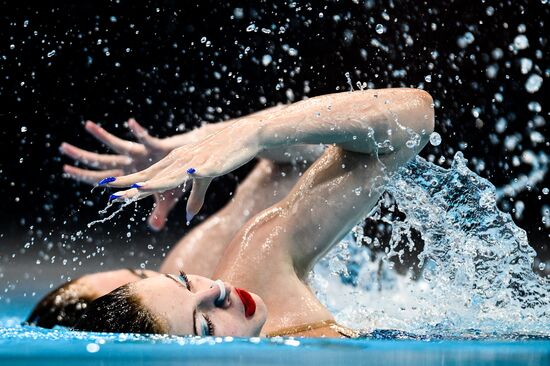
(120, 311)
(62, 306)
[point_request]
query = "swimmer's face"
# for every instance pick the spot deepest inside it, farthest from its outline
(192, 307)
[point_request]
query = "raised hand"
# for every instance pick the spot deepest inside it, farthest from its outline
(200, 162)
(130, 157)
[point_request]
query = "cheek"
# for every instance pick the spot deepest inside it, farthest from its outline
(234, 327)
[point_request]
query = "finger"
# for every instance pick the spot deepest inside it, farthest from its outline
(117, 144)
(142, 134)
(101, 161)
(196, 198)
(89, 176)
(141, 176)
(164, 203)
(132, 194)
(170, 177)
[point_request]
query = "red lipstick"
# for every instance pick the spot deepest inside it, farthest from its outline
(248, 302)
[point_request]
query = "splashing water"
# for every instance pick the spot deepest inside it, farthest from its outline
(476, 263)
(125, 203)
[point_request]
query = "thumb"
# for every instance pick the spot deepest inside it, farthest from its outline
(164, 203)
(196, 198)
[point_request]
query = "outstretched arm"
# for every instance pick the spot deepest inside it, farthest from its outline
(376, 133)
(367, 122)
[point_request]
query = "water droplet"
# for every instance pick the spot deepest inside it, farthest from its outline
(92, 347)
(435, 139)
(380, 28)
(23, 128)
(251, 28)
(411, 144)
(238, 13)
(467, 39)
(534, 107)
(51, 53)
(521, 42)
(266, 60)
(497, 53)
(428, 78)
(536, 137)
(526, 65)
(533, 83)
(491, 71)
(203, 39)
(501, 125)
(292, 51)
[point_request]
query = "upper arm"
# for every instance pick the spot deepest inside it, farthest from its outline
(340, 188)
(343, 186)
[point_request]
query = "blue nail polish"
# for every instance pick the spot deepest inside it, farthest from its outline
(191, 170)
(136, 185)
(106, 180)
(114, 197)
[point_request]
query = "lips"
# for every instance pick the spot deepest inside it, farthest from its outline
(248, 302)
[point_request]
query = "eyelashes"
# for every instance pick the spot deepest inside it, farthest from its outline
(209, 324)
(185, 280)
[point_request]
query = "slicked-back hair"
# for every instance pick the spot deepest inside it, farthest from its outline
(120, 311)
(63, 306)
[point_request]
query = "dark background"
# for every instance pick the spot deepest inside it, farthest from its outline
(173, 64)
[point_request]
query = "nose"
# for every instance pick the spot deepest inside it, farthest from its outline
(218, 295)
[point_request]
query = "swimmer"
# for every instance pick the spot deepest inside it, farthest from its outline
(253, 282)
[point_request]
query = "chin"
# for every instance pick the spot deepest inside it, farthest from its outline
(260, 315)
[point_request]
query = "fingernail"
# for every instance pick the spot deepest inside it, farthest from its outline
(189, 216)
(114, 196)
(191, 170)
(137, 185)
(106, 180)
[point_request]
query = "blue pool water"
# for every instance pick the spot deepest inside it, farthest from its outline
(23, 345)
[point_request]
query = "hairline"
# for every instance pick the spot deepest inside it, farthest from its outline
(161, 322)
(137, 301)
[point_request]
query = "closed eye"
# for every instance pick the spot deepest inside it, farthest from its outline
(208, 326)
(183, 278)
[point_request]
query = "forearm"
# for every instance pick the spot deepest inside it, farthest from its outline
(369, 121)
(197, 134)
(284, 154)
(207, 129)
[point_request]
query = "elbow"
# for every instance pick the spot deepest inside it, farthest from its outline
(427, 114)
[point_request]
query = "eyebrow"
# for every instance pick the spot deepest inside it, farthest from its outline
(194, 310)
